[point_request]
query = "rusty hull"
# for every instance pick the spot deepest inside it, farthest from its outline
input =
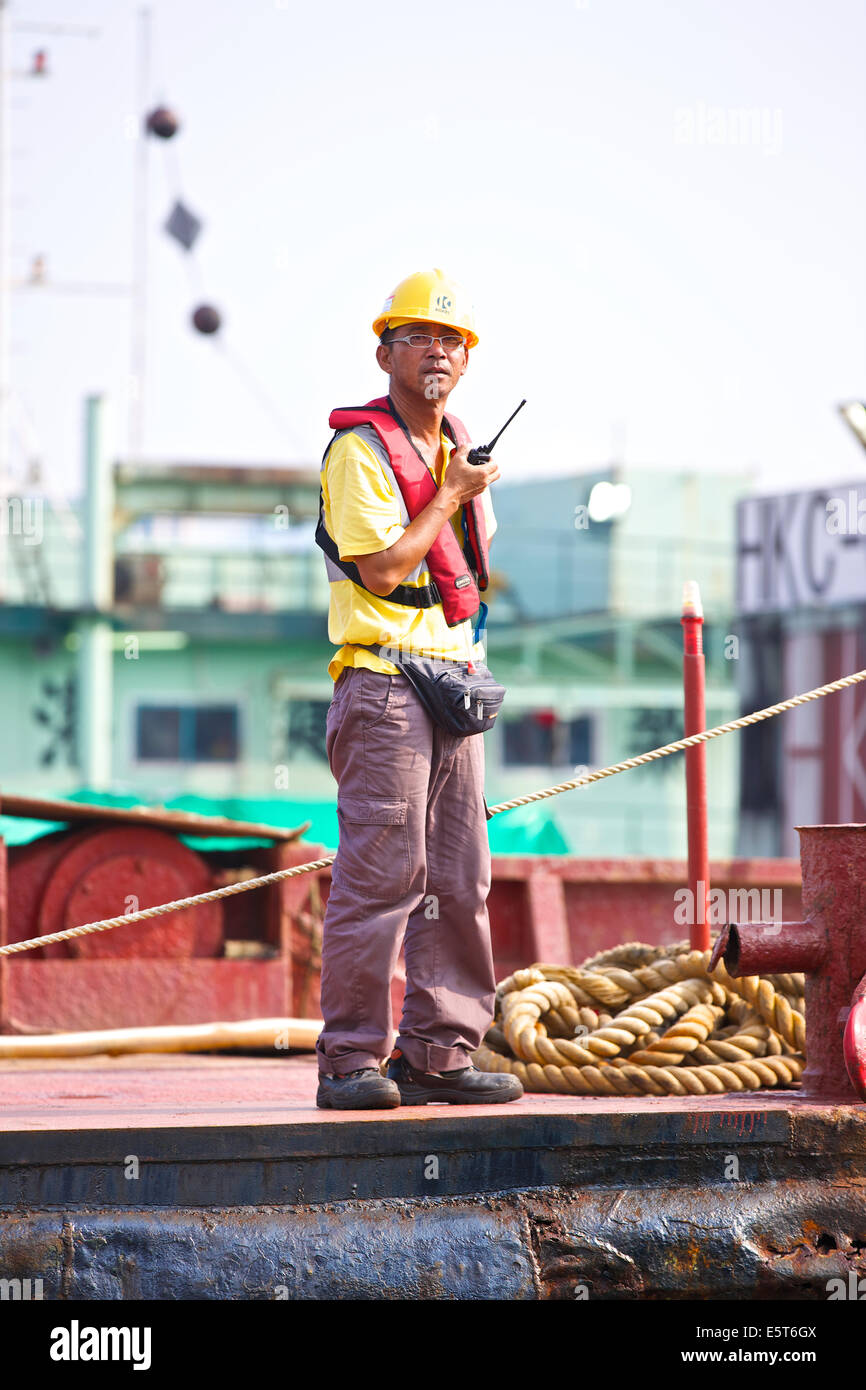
(771, 1241)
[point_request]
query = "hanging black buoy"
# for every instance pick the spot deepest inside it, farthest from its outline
(206, 319)
(162, 122)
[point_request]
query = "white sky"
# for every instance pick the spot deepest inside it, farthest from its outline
(653, 286)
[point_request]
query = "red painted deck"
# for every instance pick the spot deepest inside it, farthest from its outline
(155, 1091)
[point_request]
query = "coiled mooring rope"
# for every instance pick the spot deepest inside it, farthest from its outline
(144, 914)
(642, 1020)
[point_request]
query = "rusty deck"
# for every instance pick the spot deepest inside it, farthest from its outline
(216, 1177)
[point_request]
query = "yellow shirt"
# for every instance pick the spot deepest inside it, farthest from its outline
(362, 515)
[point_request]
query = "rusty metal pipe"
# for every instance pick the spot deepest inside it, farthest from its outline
(262, 1034)
(770, 948)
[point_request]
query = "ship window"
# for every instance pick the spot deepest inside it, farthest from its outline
(580, 740)
(540, 738)
(187, 733)
(653, 728)
(307, 730)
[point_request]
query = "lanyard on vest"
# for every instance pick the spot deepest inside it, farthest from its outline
(482, 609)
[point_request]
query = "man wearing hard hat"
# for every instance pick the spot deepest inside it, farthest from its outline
(404, 524)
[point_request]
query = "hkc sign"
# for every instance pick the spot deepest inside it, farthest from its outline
(802, 549)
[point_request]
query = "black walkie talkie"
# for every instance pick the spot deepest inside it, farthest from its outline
(482, 454)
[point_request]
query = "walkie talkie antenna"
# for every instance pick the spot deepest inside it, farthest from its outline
(482, 455)
(505, 426)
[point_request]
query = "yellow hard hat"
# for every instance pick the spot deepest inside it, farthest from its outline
(428, 296)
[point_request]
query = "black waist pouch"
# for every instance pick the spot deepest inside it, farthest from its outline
(462, 698)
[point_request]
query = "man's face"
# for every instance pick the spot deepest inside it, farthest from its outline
(431, 372)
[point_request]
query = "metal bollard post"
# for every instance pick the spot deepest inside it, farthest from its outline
(829, 946)
(695, 721)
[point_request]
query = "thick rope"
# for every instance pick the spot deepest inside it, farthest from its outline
(675, 1030)
(144, 914)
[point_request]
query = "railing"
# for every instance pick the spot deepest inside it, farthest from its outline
(554, 574)
(547, 574)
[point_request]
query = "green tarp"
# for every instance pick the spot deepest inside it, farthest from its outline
(527, 830)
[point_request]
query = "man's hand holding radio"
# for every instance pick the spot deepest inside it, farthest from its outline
(464, 480)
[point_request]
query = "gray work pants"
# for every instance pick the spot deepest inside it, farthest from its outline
(412, 868)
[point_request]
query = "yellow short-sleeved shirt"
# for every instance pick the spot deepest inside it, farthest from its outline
(362, 515)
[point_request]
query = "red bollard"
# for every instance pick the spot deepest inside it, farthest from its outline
(829, 946)
(696, 764)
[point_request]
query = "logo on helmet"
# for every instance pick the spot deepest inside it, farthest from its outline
(443, 302)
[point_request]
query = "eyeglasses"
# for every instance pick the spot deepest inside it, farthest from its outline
(450, 341)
